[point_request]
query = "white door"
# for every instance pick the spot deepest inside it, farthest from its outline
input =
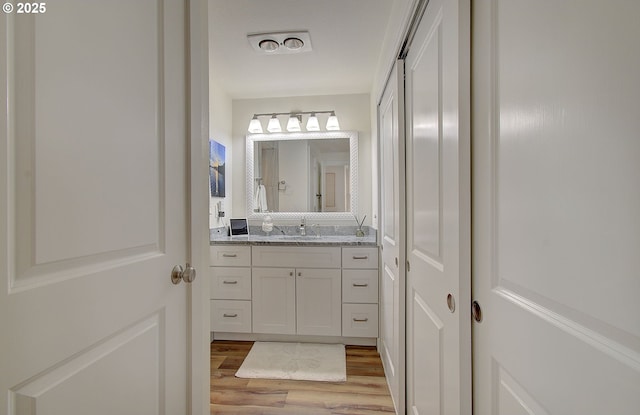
(94, 208)
(556, 207)
(438, 212)
(391, 118)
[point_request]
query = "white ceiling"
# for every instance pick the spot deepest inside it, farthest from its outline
(346, 36)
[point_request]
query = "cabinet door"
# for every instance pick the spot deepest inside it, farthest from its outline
(318, 301)
(274, 300)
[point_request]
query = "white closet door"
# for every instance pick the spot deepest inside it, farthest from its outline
(437, 94)
(392, 332)
(556, 207)
(93, 209)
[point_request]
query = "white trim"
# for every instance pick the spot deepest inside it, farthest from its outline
(198, 391)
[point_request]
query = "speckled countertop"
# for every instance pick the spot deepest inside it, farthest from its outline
(324, 236)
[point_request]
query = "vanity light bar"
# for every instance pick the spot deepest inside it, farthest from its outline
(294, 121)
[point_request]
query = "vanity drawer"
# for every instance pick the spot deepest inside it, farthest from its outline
(360, 257)
(230, 255)
(231, 316)
(360, 286)
(296, 257)
(360, 320)
(230, 283)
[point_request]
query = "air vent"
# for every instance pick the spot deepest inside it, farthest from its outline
(278, 43)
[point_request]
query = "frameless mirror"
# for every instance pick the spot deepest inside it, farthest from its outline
(302, 174)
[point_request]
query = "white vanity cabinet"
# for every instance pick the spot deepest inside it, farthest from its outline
(230, 286)
(281, 292)
(360, 292)
(296, 290)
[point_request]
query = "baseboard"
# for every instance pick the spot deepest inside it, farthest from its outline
(353, 341)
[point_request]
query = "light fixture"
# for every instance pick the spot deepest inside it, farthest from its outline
(312, 123)
(280, 43)
(332, 122)
(268, 45)
(274, 124)
(255, 126)
(294, 121)
(293, 43)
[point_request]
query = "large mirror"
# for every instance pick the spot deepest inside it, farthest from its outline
(313, 174)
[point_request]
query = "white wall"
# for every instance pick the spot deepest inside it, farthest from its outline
(353, 111)
(220, 130)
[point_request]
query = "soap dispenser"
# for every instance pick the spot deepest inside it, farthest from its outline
(267, 224)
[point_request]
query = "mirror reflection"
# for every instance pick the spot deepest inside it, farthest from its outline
(301, 173)
(302, 176)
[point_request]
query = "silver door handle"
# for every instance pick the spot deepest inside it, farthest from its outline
(360, 285)
(230, 315)
(229, 255)
(361, 320)
(229, 282)
(360, 257)
(188, 274)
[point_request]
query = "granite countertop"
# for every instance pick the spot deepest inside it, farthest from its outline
(324, 237)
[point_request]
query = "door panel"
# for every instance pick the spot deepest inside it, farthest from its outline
(556, 230)
(274, 300)
(391, 118)
(93, 211)
(438, 212)
(318, 302)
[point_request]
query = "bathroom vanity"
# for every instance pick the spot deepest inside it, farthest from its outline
(295, 289)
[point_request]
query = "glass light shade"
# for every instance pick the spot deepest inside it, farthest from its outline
(274, 125)
(332, 122)
(255, 126)
(293, 124)
(312, 123)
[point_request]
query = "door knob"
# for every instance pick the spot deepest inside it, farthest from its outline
(187, 274)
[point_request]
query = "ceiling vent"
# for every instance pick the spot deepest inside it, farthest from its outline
(279, 43)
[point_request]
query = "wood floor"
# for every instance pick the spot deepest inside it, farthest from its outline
(364, 393)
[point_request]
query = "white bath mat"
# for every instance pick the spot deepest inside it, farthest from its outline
(298, 361)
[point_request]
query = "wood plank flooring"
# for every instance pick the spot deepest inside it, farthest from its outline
(364, 393)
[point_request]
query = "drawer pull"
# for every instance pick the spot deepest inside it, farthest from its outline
(229, 255)
(361, 257)
(360, 285)
(229, 282)
(360, 320)
(230, 315)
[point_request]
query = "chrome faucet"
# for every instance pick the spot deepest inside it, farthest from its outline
(303, 230)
